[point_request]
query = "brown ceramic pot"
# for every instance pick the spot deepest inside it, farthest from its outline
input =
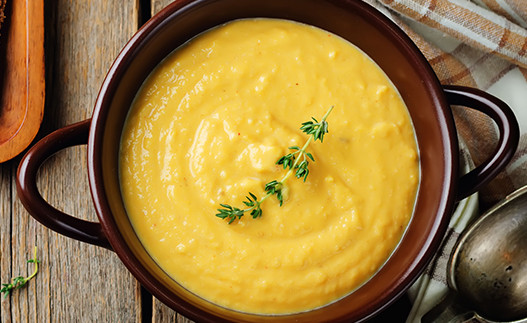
(428, 103)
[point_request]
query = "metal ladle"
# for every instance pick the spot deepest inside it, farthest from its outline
(488, 267)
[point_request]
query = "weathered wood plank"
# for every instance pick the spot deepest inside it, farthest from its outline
(5, 233)
(77, 282)
(157, 5)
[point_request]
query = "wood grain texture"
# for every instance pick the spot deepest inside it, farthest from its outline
(22, 83)
(157, 5)
(76, 282)
(5, 233)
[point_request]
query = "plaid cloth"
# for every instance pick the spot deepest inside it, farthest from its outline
(479, 43)
(482, 44)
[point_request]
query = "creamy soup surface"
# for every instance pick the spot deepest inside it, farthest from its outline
(208, 126)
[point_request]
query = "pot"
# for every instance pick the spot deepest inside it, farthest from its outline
(427, 101)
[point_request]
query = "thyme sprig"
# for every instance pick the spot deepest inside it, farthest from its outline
(296, 161)
(20, 281)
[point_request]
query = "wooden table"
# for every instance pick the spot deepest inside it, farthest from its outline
(77, 282)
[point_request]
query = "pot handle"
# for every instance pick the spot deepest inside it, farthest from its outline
(508, 129)
(38, 208)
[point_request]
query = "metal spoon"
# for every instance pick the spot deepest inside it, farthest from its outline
(488, 267)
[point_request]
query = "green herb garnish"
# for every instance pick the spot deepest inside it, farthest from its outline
(20, 281)
(296, 161)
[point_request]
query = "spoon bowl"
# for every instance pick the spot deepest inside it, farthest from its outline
(488, 266)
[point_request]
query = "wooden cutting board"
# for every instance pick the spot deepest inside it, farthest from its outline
(22, 75)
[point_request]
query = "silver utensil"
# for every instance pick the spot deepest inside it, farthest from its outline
(488, 268)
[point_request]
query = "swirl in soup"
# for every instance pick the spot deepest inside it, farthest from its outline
(208, 126)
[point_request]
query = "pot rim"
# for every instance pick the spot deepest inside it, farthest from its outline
(116, 239)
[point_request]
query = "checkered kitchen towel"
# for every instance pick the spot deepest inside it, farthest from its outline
(482, 44)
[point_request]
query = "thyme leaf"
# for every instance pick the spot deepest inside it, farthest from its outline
(296, 161)
(20, 281)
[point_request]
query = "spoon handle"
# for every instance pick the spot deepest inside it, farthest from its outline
(450, 310)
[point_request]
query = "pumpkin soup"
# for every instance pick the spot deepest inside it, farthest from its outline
(208, 126)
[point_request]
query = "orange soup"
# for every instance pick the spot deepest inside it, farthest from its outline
(208, 126)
